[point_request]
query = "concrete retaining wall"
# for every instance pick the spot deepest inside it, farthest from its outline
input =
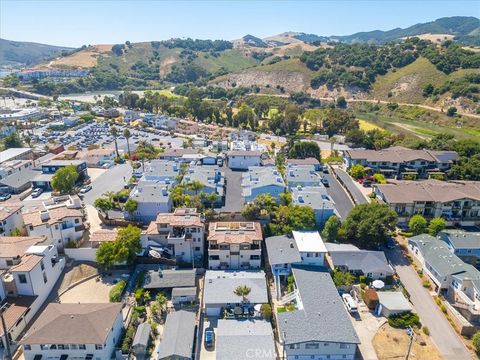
(81, 254)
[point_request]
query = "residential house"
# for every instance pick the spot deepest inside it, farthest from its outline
(11, 218)
(305, 162)
(164, 122)
(49, 169)
(184, 295)
(392, 303)
(16, 175)
(169, 279)
(244, 339)
(77, 331)
(184, 155)
(464, 244)
(219, 291)
(179, 336)
(319, 327)
(372, 264)
(317, 198)
(153, 198)
(458, 202)
(28, 280)
(234, 245)
(398, 161)
(181, 232)
(59, 224)
(242, 160)
(12, 249)
(14, 166)
(311, 247)
(302, 175)
(262, 180)
(100, 157)
(219, 145)
(212, 179)
(457, 281)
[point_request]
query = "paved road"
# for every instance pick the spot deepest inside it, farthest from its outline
(233, 197)
(357, 195)
(112, 180)
(343, 204)
(445, 338)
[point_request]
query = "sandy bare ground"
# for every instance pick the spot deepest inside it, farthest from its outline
(433, 37)
(85, 58)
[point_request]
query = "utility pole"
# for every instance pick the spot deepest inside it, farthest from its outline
(411, 333)
(5, 332)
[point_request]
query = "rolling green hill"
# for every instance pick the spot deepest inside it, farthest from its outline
(27, 53)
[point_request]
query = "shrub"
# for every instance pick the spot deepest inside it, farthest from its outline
(402, 321)
(379, 178)
(266, 311)
(425, 330)
(426, 284)
(476, 342)
(362, 279)
(406, 233)
(116, 291)
(443, 308)
(372, 195)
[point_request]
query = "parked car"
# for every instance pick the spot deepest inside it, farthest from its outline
(209, 339)
(325, 169)
(325, 182)
(37, 192)
(391, 244)
(85, 189)
(350, 304)
(5, 197)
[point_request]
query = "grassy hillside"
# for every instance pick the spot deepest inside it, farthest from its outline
(230, 60)
(27, 53)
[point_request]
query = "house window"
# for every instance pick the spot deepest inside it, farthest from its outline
(27, 347)
(56, 227)
(98, 347)
(9, 262)
(73, 346)
(82, 347)
(45, 278)
(22, 278)
(77, 221)
(344, 346)
(42, 265)
(311, 346)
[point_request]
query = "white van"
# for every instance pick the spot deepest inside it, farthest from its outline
(350, 303)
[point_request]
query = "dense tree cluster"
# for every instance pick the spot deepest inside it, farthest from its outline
(198, 44)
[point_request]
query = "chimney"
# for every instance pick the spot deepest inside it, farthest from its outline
(44, 215)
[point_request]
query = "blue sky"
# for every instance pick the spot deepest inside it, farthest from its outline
(74, 23)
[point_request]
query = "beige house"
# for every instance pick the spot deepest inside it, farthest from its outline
(234, 245)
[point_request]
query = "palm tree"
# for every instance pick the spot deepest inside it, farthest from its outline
(195, 186)
(127, 135)
(161, 300)
(210, 198)
(144, 151)
(114, 132)
(243, 291)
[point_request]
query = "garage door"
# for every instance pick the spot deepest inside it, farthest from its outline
(214, 311)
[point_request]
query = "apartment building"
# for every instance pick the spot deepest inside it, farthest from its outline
(100, 157)
(243, 159)
(396, 161)
(181, 232)
(302, 175)
(317, 198)
(74, 331)
(153, 197)
(44, 179)
(234, 245)
(458, 202)
(29, 277)
(212, 179)
(262, 180)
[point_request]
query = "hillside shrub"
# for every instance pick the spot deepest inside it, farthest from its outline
(116, 291)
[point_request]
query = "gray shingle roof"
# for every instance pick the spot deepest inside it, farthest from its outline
(19, 179)
(220, 285)
(142, 335)
(364, 260)
(282, 250)
(461, 239)
(323, 317)
(178, 335)
(241, 339)
(184, 291)
(163, 279)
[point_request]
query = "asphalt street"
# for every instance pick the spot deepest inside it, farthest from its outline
(442, 333)
(233, 198)
(112, 180)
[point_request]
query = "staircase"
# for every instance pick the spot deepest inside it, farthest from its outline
(288, 298)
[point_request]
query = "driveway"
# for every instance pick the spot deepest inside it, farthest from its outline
(366, 325)
(343, 204)
(358, 196)
(233, 198)
(445, 338)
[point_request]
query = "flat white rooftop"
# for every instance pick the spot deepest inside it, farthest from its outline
(309, 241)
